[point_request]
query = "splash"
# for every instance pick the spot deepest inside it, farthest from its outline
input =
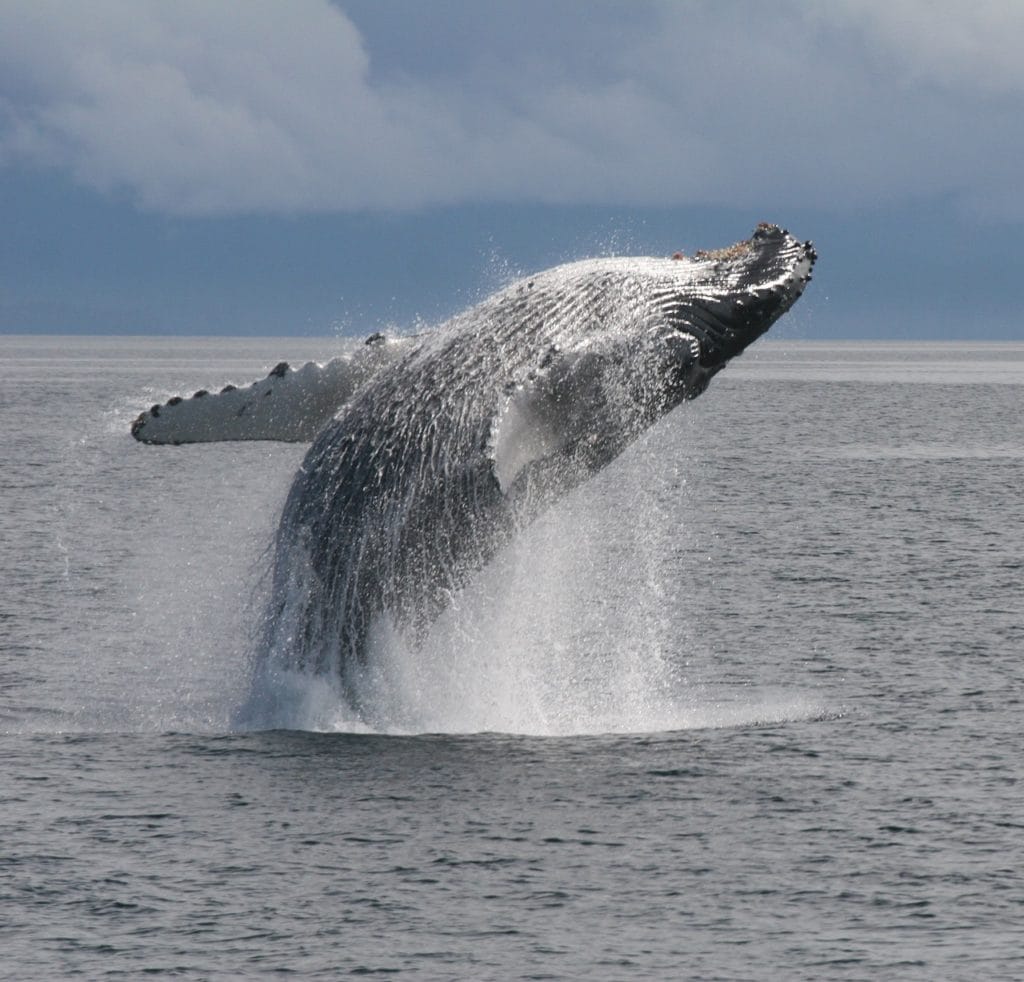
(580, 626)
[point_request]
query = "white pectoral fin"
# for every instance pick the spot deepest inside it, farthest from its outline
(289, 404)
(545, 414)
(524, 431)
(589, 402)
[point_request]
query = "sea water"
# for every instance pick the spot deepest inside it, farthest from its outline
(747, 705)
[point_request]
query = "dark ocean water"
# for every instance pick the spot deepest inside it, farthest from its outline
(747, 706)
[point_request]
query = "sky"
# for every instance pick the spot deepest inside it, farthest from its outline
(308, 167)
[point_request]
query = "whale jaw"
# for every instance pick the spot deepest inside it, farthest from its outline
(749, 286)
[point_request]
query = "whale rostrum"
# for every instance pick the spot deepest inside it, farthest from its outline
(430, 451)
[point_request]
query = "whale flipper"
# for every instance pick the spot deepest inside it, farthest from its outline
(289, 404)
(563, 407)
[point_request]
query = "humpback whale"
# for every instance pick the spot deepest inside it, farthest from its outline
(429, 452)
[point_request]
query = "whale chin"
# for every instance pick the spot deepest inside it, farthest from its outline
(752, 284)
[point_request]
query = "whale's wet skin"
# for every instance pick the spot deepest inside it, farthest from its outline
(444, 445)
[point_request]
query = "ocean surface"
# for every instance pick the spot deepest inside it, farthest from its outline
(746, 706)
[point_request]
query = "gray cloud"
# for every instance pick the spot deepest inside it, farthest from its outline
(205, 107)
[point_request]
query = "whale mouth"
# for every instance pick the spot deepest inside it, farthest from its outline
(747, 287)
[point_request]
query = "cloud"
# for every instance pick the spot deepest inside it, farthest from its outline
(206, 107)
(947, 43)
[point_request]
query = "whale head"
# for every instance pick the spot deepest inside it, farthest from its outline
(653, 333)
(725, 299)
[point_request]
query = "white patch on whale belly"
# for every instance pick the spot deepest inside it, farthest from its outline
(524, 432)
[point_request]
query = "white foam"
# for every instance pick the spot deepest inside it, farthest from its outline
(574, 629)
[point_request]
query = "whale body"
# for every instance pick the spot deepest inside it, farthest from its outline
(443, 446)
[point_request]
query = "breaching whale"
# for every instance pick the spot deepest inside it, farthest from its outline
(430, 451)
